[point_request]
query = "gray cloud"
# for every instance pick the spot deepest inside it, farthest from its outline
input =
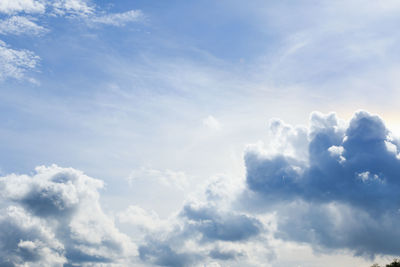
(55, 214)
(213, 224)
(53, 218)
(217, 253)
(213, 231)
(27, 239)
(344, 194)
(162, 254)
(341, 193)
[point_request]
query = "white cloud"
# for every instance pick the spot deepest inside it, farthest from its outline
(14, 63)
(350, 172)
(56, 214)
(119, 19)
(65, 204)
(20, 25)
(288, 140)
(26, 6)
(203, 232)
(73, 7)
(137, 216)
(27, 239)
(212, 123)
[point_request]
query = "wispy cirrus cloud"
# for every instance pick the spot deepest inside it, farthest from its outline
(18, 25)
(71, 7)
(119, 19)
(26, 6)
(59, 7)
(15, 63)
(24, 17)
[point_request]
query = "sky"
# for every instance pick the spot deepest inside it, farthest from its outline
(199, 133)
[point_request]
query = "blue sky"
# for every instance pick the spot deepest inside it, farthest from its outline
(188, 115)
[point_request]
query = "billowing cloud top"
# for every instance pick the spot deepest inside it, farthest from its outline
(54, 218)
(343, 194)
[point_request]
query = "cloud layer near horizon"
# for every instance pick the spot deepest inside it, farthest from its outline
(332, 185)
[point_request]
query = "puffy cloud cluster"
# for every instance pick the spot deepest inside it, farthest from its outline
(54, 218)
(212, 224)
(202, 233)
(27, 239)
(205, 232)
(342, 194)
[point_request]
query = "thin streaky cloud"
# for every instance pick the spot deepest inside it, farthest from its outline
(15, 63)
(18, 25)
(119, 19)
(25, 6)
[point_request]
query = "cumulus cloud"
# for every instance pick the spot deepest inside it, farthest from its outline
(27, 239)
(161, 253)
(213, 224)
(224, 255)
(141, 218)
(54, 217)
(342, 195)
(201, 233)
(208, 230)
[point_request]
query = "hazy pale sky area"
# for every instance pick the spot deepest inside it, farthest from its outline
(199, 133)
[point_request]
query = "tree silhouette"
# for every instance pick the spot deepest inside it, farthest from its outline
(395, 263)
